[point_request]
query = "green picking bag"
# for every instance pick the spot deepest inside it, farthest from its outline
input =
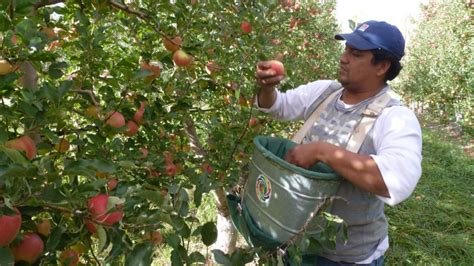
(278, 197)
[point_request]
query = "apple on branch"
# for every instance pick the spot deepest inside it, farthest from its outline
(29, 249)
(172, 44)
(138, 116)
(9, 227)
(154, 67)
(115, 120)
(6, 67)
(181, 58)
(23, 143)
(246, 27)
(44, 227)
(97, 206)
(69, 257)
(132, 128)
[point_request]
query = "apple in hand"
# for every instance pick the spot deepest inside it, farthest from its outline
(29, 249)
(23, 143)
(9, 228)
(277, 66)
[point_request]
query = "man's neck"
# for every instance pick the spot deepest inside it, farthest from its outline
(350, 96)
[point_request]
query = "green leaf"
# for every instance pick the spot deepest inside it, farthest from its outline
(141, 255)
(196, 257)
(54, 238)
(209, 233)
(102, 234)
(153, 196)
(4, 21)
(56, 69)
(14, 155)
(221, 257)
(6, 257)
(173, 240)
(126, 164)
(114, 201)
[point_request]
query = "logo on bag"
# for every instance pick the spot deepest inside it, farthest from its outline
(263, 188)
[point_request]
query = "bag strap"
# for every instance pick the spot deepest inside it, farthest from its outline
(298, 137)
(369, 115)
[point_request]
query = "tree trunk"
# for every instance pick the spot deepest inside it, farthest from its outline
(226, 232)
(227, 235)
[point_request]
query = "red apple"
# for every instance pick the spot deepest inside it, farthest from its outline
(154, 67)
(29, 249)
(212, 67)
(25, 144)
(112, 184)
(138, 116)
(69, 257)
(6, 67)
(246, 27)
(115, 120)
(144, 152)
(90, 227)
(9, 228)
(62, 146)
(97, 206)
(206, 167)
(155, 237)
(253, 122)
(277, 66)
(132, 128)
(170, 169)
(44, 227)
(172, 44)
(181, 58)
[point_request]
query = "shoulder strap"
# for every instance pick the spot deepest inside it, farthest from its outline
(298, 137)
(369, 116)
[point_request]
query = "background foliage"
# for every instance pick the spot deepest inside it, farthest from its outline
(440, 62)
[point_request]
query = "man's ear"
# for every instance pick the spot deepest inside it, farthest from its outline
(383, 67)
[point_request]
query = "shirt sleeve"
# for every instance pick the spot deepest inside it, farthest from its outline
(398, 143)
(294, 104)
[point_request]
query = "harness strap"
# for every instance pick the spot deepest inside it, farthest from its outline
(369, 115)
(298, 137)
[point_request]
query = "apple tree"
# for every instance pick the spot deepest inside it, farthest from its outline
(117, 117)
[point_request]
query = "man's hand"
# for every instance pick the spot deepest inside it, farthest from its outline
(266, 77)
(360, 170)
(302, 155)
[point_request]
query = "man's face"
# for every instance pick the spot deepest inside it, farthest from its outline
(356, 69)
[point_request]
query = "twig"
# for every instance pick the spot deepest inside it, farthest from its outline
(91, 94)
(127, 9)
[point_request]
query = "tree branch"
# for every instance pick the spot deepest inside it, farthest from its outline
(127, 9)
(91, 94)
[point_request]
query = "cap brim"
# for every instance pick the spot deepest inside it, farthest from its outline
(356, 41)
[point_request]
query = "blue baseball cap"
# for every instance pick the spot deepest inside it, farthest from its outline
(372, 35)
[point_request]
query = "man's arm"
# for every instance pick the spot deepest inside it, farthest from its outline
(267, 79)
(360, 170)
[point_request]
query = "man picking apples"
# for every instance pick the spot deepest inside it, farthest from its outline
(386, 167)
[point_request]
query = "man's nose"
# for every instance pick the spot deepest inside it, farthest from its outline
(343, 58)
